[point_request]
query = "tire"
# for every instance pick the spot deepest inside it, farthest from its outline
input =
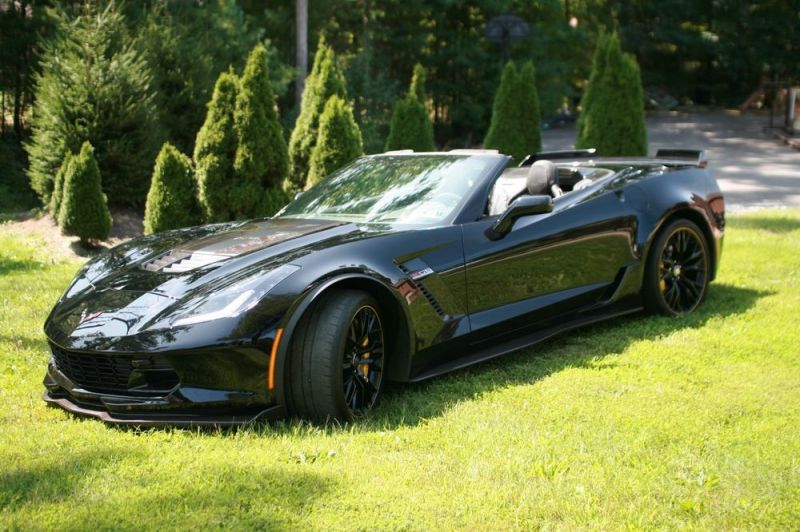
(677, 271)
(336, 358)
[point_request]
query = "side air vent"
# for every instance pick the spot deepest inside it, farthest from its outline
(421, 287)
(180, 261)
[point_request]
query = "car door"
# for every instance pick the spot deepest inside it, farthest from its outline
(548, 265)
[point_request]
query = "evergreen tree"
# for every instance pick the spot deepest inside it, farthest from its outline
(529, 108)
(94, 85)
(614, 122)
(84, 212)
(214, 153)
(411, 126)
(338, 143)
(172, 199)
(598, 68)
(261, 153)
(324, 81)
(58, 187)
(506, 131)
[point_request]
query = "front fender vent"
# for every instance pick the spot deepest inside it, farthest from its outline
(425, 292)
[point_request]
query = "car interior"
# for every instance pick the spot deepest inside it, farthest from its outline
(541, 178)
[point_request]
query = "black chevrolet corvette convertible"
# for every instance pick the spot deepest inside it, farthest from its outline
(400, 266)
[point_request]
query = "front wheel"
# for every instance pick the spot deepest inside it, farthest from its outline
(336, 362)
(677, 275)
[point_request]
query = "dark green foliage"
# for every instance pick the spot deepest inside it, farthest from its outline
(598, 68)
(15, 187)
(273, 200)
(324, 81)
(614, 120)
(411, 126)
(214, 153)
(261, 153)
(84, 212)
(529, 110)
(339, 140)
(374, 96)
(515, 115)
(58, 188)
(188, 44)
(94, 85)
(172, 200)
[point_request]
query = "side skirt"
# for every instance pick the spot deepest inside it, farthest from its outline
(516, 344)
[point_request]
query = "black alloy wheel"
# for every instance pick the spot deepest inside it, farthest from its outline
(677, 274)
(336, 358)
(362, 370)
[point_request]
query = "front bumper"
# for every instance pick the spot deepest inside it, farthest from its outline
(211, 388)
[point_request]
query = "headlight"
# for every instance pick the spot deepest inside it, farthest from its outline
(235, 299)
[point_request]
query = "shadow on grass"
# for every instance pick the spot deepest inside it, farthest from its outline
(777, 225)
(405, 404)
(14, 265)
(54, 481)
(247, 495)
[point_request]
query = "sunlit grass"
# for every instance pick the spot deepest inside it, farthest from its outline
(644, 422)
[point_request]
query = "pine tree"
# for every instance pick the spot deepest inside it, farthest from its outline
(614, 122)
(261, 153)
(84, 212)
(529, 108)
(324, 81)
(339, 140)
(94, 85)
(411, 126)
(58, 186)
(214, 153)
(172, 199)
(598, 69)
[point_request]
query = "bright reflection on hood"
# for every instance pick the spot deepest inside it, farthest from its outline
(422, 189)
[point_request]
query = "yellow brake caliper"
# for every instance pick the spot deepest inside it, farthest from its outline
(365, 367)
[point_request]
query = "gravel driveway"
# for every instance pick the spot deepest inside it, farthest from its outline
(754, 169)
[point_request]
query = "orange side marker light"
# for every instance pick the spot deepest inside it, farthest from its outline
(273, 358)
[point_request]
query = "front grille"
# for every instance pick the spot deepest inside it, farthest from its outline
(112, 373)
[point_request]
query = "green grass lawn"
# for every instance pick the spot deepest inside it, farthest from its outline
(643, 422)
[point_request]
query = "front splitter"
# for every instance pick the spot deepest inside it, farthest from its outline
(183, 419)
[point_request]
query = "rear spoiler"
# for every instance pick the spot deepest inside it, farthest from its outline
(697, 157)
(564, 154)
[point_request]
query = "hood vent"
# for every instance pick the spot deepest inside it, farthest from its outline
(181, 261)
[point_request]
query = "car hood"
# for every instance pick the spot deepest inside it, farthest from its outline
(141, 285)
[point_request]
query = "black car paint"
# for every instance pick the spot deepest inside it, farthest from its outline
(449, 290)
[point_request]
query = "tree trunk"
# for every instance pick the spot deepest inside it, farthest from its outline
(301, 57)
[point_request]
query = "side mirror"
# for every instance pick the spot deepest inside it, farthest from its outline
(522, 206)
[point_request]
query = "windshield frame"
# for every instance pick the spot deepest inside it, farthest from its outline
(496, 164)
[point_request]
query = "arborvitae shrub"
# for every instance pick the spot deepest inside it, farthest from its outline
(324, 81)
(339, 140)
(84, 211)
(506, 130)
(598, 68)
(58, 186)
(261, 153)
(214, 153)
(529, 108)
(172, 200)
(411, 126)
(615, 121)
(94, 85)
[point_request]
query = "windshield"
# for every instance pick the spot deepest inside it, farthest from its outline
(406, 189)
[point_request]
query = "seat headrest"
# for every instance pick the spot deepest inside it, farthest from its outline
(541, 176)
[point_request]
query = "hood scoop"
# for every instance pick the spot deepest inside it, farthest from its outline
(179, 261)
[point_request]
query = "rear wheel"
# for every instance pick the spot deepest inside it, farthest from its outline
(677, 275)
(335, 369)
